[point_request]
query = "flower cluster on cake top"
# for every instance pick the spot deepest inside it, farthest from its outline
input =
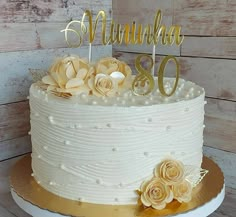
(74, 76)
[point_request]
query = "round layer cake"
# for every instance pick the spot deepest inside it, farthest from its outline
(100, 149)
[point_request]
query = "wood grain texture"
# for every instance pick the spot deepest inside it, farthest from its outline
(221, 109)
(18, 11)
(15, 147)
(160, 49)
(142, 11)
(220, 133)
(206, 18)
(31, 36)
(14, 120)
(16, 81)
(5, 167)
(208, 73)
(226, 161)
(216, 47)
(220, 121)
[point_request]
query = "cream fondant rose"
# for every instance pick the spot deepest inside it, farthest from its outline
(156, 194)
(183, 191)
(170, 172)
(68, 75)
(110, 66)
(103, 85)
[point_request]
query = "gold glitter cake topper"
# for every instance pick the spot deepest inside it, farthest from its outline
(151, 34)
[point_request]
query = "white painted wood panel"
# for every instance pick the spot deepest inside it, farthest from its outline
(15, 77)
(31, 36)
(142, 11)
(18, 11)
(14, 120)
(206, 17)
(216, 47)
(14, 147)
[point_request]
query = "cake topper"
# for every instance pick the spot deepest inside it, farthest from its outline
(151, 34)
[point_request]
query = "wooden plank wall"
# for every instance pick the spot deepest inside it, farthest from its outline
(30, 38)
(207, 57)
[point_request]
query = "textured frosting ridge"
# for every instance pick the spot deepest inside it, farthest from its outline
(102, 153)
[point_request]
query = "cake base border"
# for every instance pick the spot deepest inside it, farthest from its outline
(36, 201)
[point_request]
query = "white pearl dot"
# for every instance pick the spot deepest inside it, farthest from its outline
(146, 102)
(36, 114)
(205, 102)
(191, 89)
(32, 174)
(29, 133)
(38, 182)
(105, 100)
(204, 126)
(50, 118)
(166, 99)
(94, 102)
(123, 102)
(83, 96)
(199, 92)
(77, 126)
(67, 142)
(45, 147)
(187, 96)
(39, 156)
(117, 99)
(62, 166)
(28, 97)
(51, 183)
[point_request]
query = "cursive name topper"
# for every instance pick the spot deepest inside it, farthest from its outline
(118, 34)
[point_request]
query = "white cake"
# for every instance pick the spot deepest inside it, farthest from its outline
(100, 149)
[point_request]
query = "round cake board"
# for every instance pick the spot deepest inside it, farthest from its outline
(38, 202)
(202, 211)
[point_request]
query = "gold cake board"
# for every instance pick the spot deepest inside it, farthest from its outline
(207, 196)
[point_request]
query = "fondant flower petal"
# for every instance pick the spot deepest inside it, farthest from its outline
(70, 72)
(159, 206)
(82, 73)
(48, 80)
(75, 82)
(145, 201)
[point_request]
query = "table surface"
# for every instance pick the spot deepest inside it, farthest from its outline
(8, 208)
